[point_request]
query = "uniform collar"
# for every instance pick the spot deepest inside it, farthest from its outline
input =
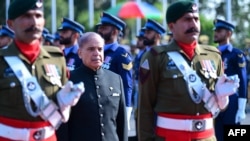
(72, 49)
(90, 71)
(112, 46)
(12, 50)
(225, 47)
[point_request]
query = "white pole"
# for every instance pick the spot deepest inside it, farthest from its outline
(53, 16)
(113, 3)
(138, 22)
(71, 9)
(229, 11)
(91, 13)
(7, 2)
(164, 10)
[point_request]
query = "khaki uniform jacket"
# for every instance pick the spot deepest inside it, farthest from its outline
(11, 96)
(162, 88)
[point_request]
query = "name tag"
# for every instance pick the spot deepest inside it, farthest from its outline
(115, 94)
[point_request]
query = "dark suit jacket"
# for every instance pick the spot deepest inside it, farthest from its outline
(100, 114)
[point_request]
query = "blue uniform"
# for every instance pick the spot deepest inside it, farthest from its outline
(118, 60)
(72, 59)
(136, 66)
(234, 63)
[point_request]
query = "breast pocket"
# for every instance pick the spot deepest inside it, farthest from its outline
(10, 92)
(114, 99)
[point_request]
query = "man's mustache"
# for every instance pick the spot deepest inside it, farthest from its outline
(191, 30)
(32, 29)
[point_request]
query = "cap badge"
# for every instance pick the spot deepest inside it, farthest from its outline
(194, 7)
(39, 3)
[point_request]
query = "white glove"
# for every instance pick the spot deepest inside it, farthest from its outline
(129, 112)
(240, 115)
(68, 96)
(226, 86)
(222, 102)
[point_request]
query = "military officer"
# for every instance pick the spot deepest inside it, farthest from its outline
(153, 33)
(234, 63)
(6, 36)
(117, 59)
(33, 100)
(70, 31)
(177, 101)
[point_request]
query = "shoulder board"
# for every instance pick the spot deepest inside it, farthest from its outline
(210, 48)
(158, 49)
(52, 49)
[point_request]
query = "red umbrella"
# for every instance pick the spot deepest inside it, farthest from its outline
(133, 9)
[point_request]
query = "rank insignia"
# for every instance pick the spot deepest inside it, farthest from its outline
(242, 65)
(127, 66)
(125, 55)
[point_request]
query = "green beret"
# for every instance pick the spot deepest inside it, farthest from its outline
(177, 9)
(19, 7)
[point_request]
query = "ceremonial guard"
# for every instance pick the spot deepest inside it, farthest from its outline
(234, 63)
(153, 33)
(33, 98)
(70, 31)
(6, 36)
(177, 100)
(116, 58)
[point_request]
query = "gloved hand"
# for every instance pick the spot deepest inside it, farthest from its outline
(68, 96)
(129, 112)
(240, 115)
(226, 86)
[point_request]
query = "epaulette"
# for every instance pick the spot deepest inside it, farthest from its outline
(53, 49)
(210, 48)
(157, 49)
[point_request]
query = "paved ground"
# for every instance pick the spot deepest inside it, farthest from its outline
(132, 133)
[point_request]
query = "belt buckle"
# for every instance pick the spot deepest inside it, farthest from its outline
(198, 125)
(37, 134)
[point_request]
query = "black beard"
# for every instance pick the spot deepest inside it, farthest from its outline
(65, 41)
(107, 36)
(148, 42)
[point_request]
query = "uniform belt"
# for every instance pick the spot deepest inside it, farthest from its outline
(26, 134)
(185, 124)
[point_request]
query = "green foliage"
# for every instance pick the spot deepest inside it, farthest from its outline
(207, 28)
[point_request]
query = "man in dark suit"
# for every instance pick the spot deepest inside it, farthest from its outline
(100, 114)
(117, 59)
